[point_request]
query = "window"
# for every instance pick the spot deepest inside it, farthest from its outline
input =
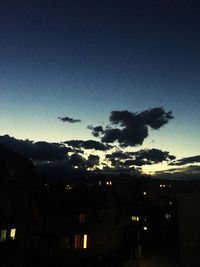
(69, 187)
(145, 228)
(135, 218)
(144, 193)
(65, 242)
(12, 233)
(167, 216)
(12, 173)
(3, 235)
(109, 183)
(82, 218)
(81, 241)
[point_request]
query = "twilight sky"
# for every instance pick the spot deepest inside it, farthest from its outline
(68, 64)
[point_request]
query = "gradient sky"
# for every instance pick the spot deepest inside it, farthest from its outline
(84, 58)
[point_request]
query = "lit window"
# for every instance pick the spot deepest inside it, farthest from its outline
(144, 193)
(82, 218)
(145, 228)
(12, 233)
(85, 241)
(100, 183)
(167, 216)
(69, 187)
(108, 183)
(3, 235)
(160, 185)
(170, 203)
(135, 218)
(81, 241)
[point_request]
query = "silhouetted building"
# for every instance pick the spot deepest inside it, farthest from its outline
(16, 178)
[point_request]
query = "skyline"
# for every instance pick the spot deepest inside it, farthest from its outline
(81, 61)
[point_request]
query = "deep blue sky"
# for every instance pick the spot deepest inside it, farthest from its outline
(84, 58)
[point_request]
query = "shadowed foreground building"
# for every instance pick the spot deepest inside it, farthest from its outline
(189, 228)
(95, 221)
(16, 180)
(80, 225)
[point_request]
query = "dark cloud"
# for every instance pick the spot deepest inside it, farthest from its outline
(78, 161)
(59, 169)
(120, 170)
(132, 128)
(118, 154)
(139, 158)
(153, 155)
(191, 172)
(135, 162)
(36, 150)
(88, 144)
(93, 160)
(96, 130)
(68, 119)
(51, 159)
(188, 160)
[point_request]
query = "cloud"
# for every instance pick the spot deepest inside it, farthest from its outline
(131, 128)
(154, 155)
(191, 172)
(68, 119)
(88, 144)
(59, 169)
(93, 160)
(36, 150)
(139, 158)
(95, 130)
(53, 159)
(78, 161)
(187, 160)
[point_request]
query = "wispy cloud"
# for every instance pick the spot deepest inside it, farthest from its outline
(68, 119)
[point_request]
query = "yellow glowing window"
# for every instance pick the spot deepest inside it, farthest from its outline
(85, 241)
(161, 185)
(12, 233)
(135, 218)
(81, 241)
(145, 228)
(3, 235)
